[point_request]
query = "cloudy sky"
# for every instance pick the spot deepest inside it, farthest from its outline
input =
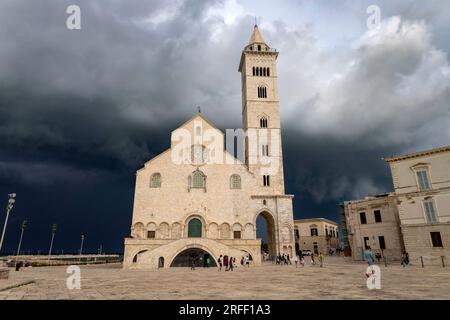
(81, 110)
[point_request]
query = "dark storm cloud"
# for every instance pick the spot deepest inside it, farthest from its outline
(81, 110)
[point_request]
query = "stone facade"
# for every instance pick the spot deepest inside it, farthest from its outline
(373, 222)
(197, 197)
(422, 187)
(317, 235)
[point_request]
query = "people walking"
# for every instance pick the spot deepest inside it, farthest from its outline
(321, 259)
(368, 256)
(302, 260)
(247, 261)
(230, 264)
(296, 261)
(220, 262)
(225, 263)
(378, 256)
(313, 261)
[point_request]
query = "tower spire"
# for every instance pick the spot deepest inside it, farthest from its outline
(256, 36)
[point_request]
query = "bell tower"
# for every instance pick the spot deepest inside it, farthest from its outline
(261, 113)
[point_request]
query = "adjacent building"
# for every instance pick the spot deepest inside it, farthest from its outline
(316, 234)
(415, 218)
(374, 223)
(422, 188)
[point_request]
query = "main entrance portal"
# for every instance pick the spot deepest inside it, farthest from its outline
(196, 256)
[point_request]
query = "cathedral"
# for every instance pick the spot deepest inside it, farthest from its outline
(198, 200)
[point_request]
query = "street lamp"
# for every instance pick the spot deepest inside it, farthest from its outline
(24, 225)
(11, 200)
(51, 242)
(81, 247)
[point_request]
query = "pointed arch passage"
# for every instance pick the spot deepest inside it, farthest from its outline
(265, 230)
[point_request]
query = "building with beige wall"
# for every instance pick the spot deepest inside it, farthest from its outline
(422, 187)
(196, 200)
(316, 234)
(373, 222)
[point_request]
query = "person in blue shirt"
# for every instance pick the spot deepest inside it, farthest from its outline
(368, 256)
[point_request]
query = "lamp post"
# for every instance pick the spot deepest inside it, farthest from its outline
(11, 201)
(81, 247)
(51, 242)
(24, 225)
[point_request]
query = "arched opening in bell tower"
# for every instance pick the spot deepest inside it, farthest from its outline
(265, 231)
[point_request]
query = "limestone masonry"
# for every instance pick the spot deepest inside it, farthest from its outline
(194, 211)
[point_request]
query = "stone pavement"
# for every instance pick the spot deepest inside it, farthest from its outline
(339, 279)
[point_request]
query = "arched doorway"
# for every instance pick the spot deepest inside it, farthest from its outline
(265, 230)
(193, 255)
(195, 228)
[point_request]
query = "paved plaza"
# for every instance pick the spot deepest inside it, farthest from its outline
(338, 279)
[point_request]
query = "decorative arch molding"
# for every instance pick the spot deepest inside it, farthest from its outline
(249, 231)
(267, 213)
(263, 120)
(151, 230)
(213, 231)
(225, 231)
(151, 226)
(237, 226)
(191, 217)
(164, 230)
(137, 230)
(176, 230)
